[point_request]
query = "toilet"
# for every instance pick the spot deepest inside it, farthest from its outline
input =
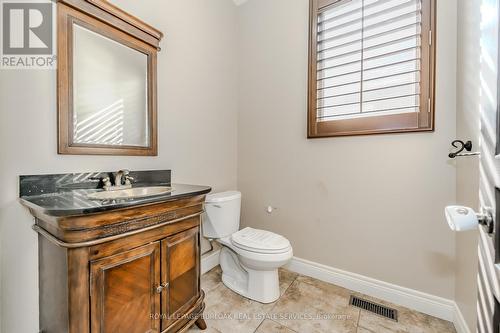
(250, 257)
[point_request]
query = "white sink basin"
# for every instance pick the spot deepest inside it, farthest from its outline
(137, 192)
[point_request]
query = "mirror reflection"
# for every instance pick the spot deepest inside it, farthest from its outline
(110, 91)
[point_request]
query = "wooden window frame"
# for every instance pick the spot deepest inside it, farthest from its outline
(423, 121)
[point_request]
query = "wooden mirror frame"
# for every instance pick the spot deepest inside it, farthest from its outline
(108, 20)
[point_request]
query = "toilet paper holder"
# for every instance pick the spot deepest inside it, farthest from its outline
(486, 219)
(462, 218)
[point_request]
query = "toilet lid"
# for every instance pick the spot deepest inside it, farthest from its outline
(262, 241)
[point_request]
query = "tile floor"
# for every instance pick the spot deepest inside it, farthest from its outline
(306, 305)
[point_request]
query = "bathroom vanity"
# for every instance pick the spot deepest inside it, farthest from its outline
(123, 265)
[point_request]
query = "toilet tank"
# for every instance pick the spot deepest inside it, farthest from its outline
(222, 214)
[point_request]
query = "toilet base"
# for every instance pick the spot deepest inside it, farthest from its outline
(259, 285)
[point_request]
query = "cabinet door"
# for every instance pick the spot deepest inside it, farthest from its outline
(123, 295)
(180, 268)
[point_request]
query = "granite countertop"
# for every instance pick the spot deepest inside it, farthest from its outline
(68, 198)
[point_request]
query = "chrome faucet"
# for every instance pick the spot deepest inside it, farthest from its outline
(120, 175)
(123, 180)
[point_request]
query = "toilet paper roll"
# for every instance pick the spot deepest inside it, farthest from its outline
(461, 218)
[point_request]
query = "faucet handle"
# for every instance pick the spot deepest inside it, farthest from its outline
(106, 181)
(128, 180)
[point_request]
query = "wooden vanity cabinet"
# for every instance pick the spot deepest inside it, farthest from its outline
(143, 280)
(126, 284)
(180, 270)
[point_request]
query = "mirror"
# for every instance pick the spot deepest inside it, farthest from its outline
(107, 85)
(109, 92)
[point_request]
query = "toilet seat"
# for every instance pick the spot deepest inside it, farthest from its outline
(260, 241)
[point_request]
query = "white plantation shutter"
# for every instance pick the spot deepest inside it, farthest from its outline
(369, 57)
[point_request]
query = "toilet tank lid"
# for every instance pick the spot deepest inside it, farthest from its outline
(223, 196)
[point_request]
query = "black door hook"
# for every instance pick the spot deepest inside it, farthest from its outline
(461, 146)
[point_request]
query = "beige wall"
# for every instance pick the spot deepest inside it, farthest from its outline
(372, 205)
(468, 101)
(197, 131)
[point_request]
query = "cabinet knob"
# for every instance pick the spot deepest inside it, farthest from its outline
(161, 287)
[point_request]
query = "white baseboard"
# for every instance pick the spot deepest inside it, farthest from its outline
(209, 260)
(416, 300)
(459, 321)
(429, 304)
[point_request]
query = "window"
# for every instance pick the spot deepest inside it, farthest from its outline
(371, 67)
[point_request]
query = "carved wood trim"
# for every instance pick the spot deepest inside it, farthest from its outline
(107, 12)
(61, 243)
